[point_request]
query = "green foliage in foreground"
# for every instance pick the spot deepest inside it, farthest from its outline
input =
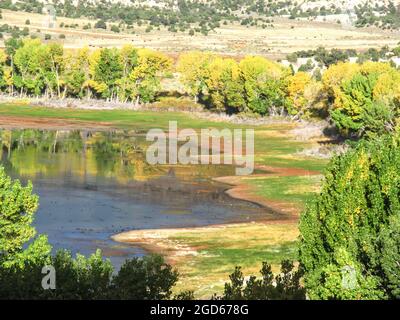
(350, 234)
(17, 209)
(147, 278)
(284, 286)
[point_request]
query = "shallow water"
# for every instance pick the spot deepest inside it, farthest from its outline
(95, 184)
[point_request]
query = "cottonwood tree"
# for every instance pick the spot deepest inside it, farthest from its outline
(3, 59)
(225, 86)
(17, 209)
(349, 243)
(145, 77)
(263, 85)
(194, 70)
(358, 94)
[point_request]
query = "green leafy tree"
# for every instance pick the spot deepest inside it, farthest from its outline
(379, 118)
(350, 231)
(357, 95)
(263, 84)
(17, 208)
(224, 85)
(390, 241)
(145, 77)
(128, 56)
(33, 63)
(81, 278)
(76, 73)
(364, 97)
(108, 70)
(194, 69)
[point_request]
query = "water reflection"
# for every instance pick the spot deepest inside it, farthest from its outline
(95, 183)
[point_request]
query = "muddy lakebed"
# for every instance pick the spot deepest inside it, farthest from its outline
(94, 184)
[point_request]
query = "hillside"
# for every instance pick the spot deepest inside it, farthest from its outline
(271, 28)
(182, 15)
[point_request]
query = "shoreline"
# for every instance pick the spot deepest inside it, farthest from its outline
(156, 240)
(206, 256)
(161, 241)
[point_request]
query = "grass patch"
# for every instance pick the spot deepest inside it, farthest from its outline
(221, 249)
(120, 118)
(296, 189)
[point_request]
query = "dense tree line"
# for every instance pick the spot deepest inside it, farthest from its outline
(200, 16)
(283, 286)
(254, 84)
(326, 58)
(32, 68)
(360, 98)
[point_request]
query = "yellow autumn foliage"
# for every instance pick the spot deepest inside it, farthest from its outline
(224, 84)
(3, 56)
(296, 88)
(387, 86)
(150, 63)
(336, 74)
(262, 69)
(194, 68)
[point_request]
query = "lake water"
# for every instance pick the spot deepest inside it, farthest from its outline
(93, 184)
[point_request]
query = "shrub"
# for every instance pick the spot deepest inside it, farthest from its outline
(101, 24)
(284, 286)
(148, 278)
(115, 29)
(90, 278)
